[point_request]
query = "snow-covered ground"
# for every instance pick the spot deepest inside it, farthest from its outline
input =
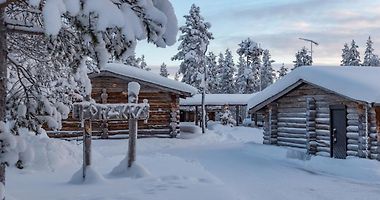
(226, 163)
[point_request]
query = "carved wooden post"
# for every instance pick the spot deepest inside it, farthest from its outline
(174, 120)
(86, 145)
(3, 81)
(311, 136)
(133, 92)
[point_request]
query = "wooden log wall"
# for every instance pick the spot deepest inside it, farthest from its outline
(164, 107)
(304, 122)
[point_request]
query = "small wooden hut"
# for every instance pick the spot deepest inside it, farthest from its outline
(215, 103)
(330, 111)
(110, 86)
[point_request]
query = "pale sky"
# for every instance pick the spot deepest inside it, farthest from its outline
(277, 25)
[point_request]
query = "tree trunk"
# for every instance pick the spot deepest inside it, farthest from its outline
(3, 79)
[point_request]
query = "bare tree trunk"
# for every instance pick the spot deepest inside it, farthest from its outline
(86, 145)
(3, 79)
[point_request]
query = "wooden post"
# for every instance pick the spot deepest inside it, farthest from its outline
(196, 116)
(104, 99)
(86, 145)
(3, 79)
(237, 115)
(133, 92)
(311, 135)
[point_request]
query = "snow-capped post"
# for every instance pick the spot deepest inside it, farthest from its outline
(133, 92)
(86, 145)
(3, 84)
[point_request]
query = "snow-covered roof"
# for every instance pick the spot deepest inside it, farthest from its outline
(357, 83)
(217, 99)
(146, 76)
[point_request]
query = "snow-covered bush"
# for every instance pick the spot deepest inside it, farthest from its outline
(227, 118)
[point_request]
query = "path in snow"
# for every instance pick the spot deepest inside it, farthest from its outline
(224, 164)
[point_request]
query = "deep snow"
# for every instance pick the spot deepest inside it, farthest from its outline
(226, 163)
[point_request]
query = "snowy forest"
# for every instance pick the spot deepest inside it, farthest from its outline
(84, 116)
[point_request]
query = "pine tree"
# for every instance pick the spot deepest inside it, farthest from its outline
(354, 55)
(164, 70)
(252, 53)
(302, 58)
(267, 72)
(241, 78)
(143, 64)
(370, 59)
(345, 55)
(193, 46)
(212, 74)
(282, 71)
(227, 72)
(219, 71)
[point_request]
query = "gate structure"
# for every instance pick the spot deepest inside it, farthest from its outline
(133, 111)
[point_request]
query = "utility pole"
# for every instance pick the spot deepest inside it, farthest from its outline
(311, 45)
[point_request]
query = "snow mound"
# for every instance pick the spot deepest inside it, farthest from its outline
(51, 154)
(92, 177)
(297, 154)
(189, 131)
(135, 171)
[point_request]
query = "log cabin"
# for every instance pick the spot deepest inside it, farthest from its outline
(328, 111)
(110, 85)
(190, 108)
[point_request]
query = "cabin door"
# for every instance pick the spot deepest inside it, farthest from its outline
(338, 131)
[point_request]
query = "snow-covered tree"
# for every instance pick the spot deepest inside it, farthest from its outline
(303, 58)
(226, 117)
(227, 72)
(282, 71)
(252, 53)
(142, 64)
(354, 55)
(164, 70)
(345, 55)
(241, 78)
(212, 74)
(267, 75)
(77, 31)
(193, 46)
(370, 59)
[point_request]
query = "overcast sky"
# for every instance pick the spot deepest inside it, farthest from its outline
(277, 25)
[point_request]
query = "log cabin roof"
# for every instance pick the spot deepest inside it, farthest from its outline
(217, 100)
(353, 82)
(127, 72)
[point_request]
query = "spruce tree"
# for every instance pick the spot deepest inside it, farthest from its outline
(176, 76)
(164, 70)
(212, 74)
(303, 58)
(219, 72)
(252, 53)
(143, 64)
(240, 82)
(345, 55)
(354, 55)
(266, 72)
(370, 59)
(227, 73)
(194, 42)
(282, 71)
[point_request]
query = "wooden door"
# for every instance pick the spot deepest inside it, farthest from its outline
(338, 119)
